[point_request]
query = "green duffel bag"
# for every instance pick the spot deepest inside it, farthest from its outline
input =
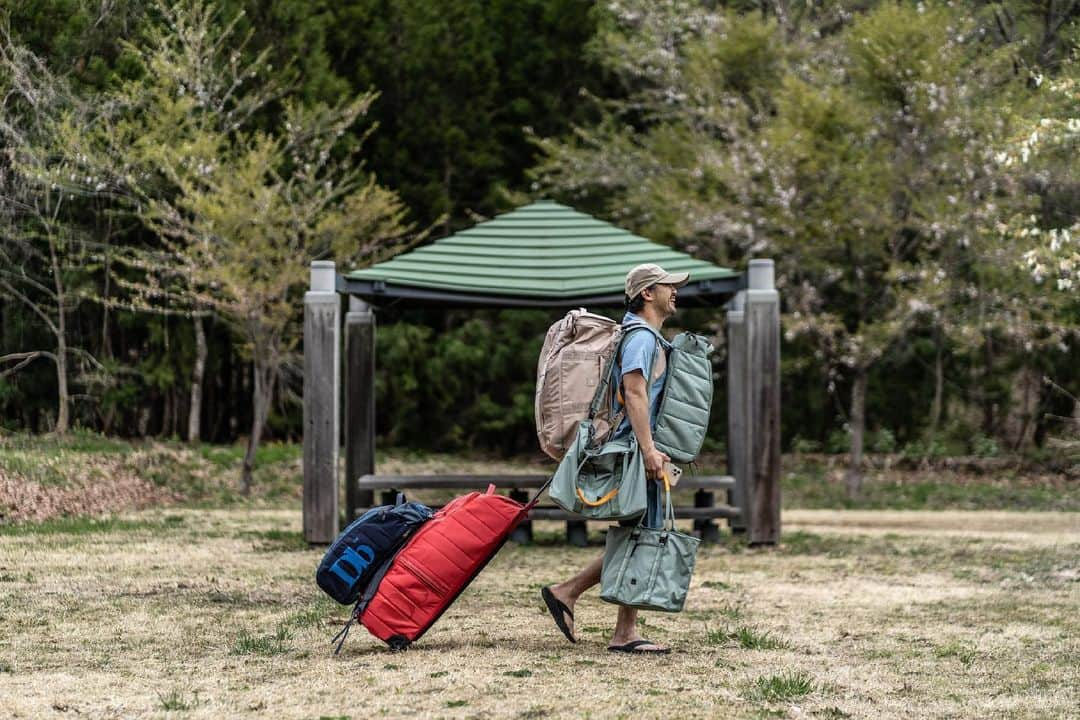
(648, 569)
(602, 483)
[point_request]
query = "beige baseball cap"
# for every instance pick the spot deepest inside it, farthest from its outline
(648, 274)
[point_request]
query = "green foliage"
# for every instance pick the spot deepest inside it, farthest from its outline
(751, 639)
(983, 446)
(78, 34)
(961, 651)
(804, 445)
(470, 385)
(859, 157)
(276, 643)
(882, 441)
(807, 483)
(901, 161)
(839, 441)
(177, 699)
(459, 82)
(785, 686)
(83, 526)
(929, 448)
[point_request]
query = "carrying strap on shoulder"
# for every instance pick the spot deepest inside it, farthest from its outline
(607, 380)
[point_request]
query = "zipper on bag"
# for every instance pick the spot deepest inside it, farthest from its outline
(426, 579)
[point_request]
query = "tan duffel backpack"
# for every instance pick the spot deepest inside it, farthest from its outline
(574, 356)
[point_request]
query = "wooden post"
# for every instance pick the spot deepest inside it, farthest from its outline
(577, 533)
(738, 410)
(322, 369)
(762, 317)
(707, 529)
(523, 533)
(359, 404)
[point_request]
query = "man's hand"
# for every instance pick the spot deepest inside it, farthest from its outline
(654, 463)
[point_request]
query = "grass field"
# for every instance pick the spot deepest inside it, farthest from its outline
(208, 613)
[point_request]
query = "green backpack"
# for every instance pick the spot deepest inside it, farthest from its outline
(683, 416)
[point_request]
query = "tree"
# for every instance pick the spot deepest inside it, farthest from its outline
(861, 154)
(41, 248)
(239, 211)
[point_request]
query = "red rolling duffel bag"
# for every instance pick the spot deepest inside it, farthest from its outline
(437, 563)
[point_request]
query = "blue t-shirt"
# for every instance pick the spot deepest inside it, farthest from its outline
(637, 355)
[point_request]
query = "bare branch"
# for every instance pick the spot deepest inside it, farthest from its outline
(24, 358)
(6, 286)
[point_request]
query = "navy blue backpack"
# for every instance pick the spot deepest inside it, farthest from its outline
(364, 547)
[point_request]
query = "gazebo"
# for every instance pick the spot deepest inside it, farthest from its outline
(542, 255)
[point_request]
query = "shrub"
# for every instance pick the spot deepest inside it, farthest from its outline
(805, 445)
(839, 441)
(983, 446)
(883, 441)
(924, 449)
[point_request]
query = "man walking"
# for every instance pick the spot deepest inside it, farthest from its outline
(642, 369)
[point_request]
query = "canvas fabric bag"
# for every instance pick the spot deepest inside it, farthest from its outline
(601, 483)
(602, 479)
(572, 361)
(649, 569)
(352, 561)
(683, 415)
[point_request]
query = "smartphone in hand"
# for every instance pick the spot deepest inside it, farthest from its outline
(673, 472)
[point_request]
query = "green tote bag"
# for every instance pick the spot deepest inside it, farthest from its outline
(649, 569)
(601, 483)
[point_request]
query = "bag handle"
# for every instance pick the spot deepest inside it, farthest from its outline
(669, 508)
(600, 501)
(547, 483)
(670, 514)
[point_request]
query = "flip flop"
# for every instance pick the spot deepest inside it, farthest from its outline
(558, 609)
(634, 648)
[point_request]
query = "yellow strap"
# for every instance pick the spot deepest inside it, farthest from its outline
(600, 501)
(607, 498)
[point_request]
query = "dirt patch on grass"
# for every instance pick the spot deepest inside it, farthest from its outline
(189, 613)
(109, 486)
(43, 478)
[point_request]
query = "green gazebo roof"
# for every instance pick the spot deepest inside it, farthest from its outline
(543, 254)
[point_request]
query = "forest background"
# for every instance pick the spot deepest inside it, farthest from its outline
(168, 171)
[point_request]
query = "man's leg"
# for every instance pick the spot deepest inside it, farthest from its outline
(568, 592)
(626, 632)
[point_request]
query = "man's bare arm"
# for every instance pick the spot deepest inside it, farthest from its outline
(636, 392)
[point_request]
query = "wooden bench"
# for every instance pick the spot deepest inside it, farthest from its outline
(704, 511)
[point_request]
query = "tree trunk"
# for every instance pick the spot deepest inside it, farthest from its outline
(262, 396)
(167, 414)
(939, 384)
(106, 342)
(195, 412)
(989, 419)
(854, 478)
(1021, 417)
(63, 400)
